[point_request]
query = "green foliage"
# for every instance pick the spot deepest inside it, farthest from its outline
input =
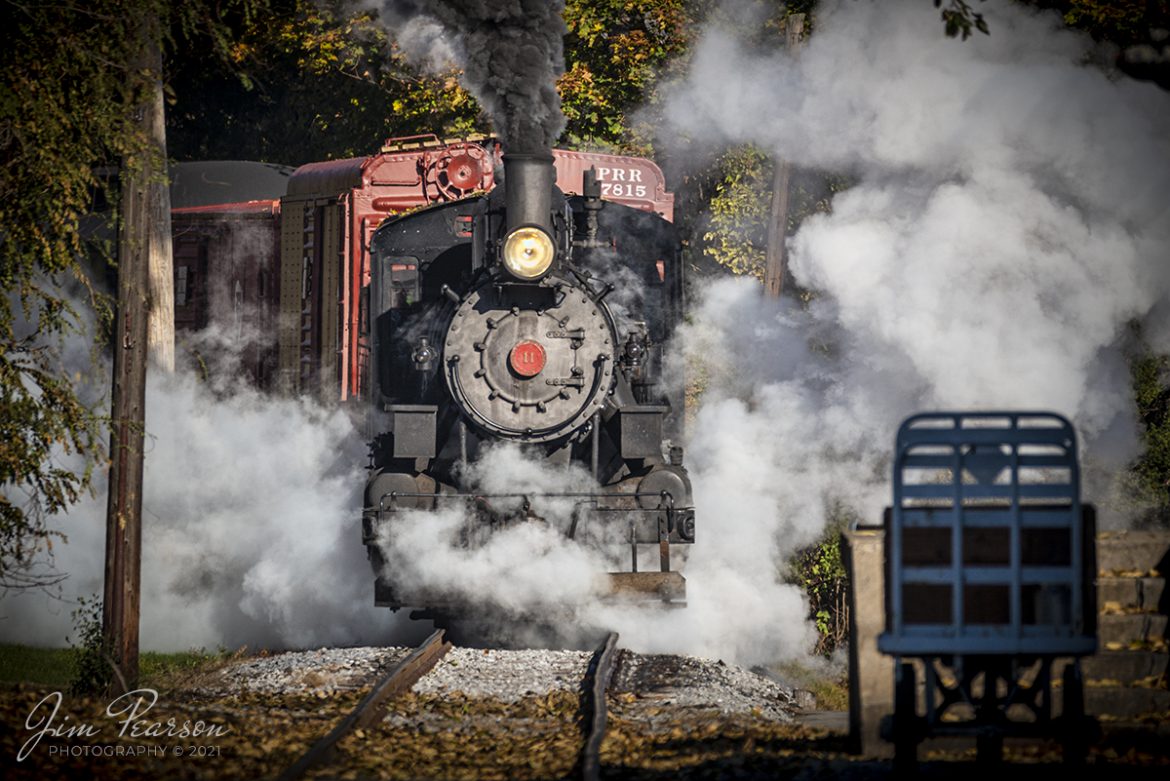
(614, 54)
(308, 81)
(1120, 21)
(820, 571)
(61, 116)
(40, 417)
(92, 672)
(67, 92)
(323, 80)
(1126, 23)
(1151, 383)
(737, 234)
(960, 19)
(1136, 27)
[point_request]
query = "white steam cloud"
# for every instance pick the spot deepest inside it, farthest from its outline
(1009, 215)
(1007, 221)
(533, 571)
(525, 566)
(425, 43)
(251, 534)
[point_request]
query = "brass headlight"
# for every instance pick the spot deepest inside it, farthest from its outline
(528, 252)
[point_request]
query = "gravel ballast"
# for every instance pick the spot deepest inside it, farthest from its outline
(641, 684)
(506, 676)
(298, 672)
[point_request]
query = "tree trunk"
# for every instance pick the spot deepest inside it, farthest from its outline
(776, 254)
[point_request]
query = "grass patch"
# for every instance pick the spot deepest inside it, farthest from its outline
(57, 667)
(828, 683)
(163, 671)
(45, 666)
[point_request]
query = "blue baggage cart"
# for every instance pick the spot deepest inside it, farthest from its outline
(990, 593)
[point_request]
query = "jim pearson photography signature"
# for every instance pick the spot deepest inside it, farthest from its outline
(129, 711)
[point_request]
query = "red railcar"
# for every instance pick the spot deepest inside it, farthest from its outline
(296, 267)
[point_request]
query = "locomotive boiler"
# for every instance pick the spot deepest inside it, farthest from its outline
(531, 317)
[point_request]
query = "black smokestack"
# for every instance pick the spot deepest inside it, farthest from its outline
(511, 52)
(528, 183)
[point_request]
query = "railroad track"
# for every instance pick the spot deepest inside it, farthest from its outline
(597, 678)
(406, 673)
(397, 681)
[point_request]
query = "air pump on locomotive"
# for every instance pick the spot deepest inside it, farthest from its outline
(529, 316)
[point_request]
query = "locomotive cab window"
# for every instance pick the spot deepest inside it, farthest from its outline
(403, 288)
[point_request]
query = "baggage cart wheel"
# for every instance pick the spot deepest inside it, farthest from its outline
(989, 747)
(905, 720)
(1075, 737)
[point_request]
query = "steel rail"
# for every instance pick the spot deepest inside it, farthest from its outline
(396, 682)
(596, 683)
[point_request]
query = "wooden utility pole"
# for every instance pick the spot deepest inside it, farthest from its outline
(142, 176)
(776, 255)
(161, 325)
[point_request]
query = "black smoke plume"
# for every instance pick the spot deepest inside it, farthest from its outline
(511, 53)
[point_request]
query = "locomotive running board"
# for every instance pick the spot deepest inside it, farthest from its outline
(665, 589)
(670, 587)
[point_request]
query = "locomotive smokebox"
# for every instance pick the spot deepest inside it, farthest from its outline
(528, 184)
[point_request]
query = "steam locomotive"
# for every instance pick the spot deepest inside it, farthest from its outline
(449, 312)
(528, 316)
